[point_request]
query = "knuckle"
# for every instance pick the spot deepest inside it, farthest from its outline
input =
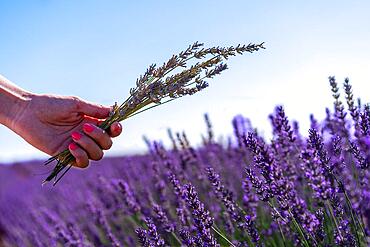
(104, 140)
(76, 102)
(75, 98)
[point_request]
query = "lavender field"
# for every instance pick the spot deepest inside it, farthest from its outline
(297, 189)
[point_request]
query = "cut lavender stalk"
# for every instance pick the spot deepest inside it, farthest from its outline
(160, 85)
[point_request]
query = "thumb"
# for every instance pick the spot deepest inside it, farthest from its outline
(92, 109)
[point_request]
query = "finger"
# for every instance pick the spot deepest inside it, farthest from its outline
(80, 155)
(115, 129)
(92, 120)
(92, 149)
(91, 109)
(98, 135)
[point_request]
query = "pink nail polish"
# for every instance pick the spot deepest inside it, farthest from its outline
(88, 128)
(117, 127)
(76, 136)
(73, 146)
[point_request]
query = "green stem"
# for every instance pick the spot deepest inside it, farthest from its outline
(175, 237)
(277, 212)
(214, 228)
(300, 231)
(134, 222)
(282, 234)
(149, 108)
(349, 204)
(354, 216)
(334, 219)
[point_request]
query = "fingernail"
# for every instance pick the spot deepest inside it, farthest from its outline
(117, 127)
(73, 146)
(76, 136)
(88, 127)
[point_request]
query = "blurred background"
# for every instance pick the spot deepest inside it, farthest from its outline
(97, 49)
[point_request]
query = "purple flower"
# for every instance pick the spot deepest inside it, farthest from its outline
(239, 129)
(250, 199)
(159, 183)
(365, 121)
(281, 127)
(232, 208)
(153, 233)
(313, 120)
(293, 187)
(262, 189)
(181, 210)
(202, 219)
(162, 218)
(187, 239)
(362, 162)
(315, 175)
(102, 221)
(252, 230)
(128, 196)
(316, 143)
(143, 238)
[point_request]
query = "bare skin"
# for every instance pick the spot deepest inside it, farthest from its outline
(52, 123)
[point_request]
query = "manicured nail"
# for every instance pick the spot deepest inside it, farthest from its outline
(117, 127)
(73, 146)
(76, 136)
(88, 128)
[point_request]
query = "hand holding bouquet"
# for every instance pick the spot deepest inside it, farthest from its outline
(163, 84)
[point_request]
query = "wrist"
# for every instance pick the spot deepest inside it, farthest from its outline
(13, 101)
(12, 106)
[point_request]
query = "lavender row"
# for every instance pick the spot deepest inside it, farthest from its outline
(292, 190)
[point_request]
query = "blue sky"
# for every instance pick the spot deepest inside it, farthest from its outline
(96, 49)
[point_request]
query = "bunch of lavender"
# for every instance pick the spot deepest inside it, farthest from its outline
(160, 85)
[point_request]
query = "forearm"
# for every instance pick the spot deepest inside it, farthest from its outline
(12, 98)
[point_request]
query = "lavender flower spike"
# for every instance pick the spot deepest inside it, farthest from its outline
(142, 237)
(153, 233)
(202, 219)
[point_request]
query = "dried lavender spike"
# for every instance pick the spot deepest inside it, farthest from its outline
(338, 106)
(350, 101)
(157, 86)
(210, 137)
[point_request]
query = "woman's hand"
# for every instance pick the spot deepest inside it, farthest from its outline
(54, 123)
